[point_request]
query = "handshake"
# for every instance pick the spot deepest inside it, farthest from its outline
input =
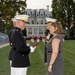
(32, 48)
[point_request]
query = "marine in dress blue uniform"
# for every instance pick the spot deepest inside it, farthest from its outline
(10, 43)
(11, 50)
(20, 57)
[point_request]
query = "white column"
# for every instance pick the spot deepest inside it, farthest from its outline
(43, 30)
(32, 31)
(38, 31)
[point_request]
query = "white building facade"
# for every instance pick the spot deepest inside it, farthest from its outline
(36, 26)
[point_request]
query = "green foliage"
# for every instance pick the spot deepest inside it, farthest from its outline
(9, 8)
(8, 27)
(64, 11)
(1, 25)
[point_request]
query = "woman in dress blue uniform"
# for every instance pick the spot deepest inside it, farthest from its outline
(54, 48)
(20, 58)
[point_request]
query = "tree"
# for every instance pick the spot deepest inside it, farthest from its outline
(1, 25)
(64, 11)
(9, 8)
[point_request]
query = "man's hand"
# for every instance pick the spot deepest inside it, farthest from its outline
(32, 48)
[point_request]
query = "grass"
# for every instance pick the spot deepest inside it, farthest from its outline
(38, 67)
(69, 57)
(4, 62)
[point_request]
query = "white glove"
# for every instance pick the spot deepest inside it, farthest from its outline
(32, 48)
(32, 40)
(38, 40)
(27, 44)
(43, 40)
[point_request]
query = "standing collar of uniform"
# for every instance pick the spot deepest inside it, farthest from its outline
(18, 28)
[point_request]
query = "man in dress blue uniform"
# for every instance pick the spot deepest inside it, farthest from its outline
(11, 51)
(20, 58)
(10, 43)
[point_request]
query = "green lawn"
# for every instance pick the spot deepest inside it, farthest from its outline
(38, 67)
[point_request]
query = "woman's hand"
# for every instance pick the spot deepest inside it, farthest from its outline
(50, 68)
